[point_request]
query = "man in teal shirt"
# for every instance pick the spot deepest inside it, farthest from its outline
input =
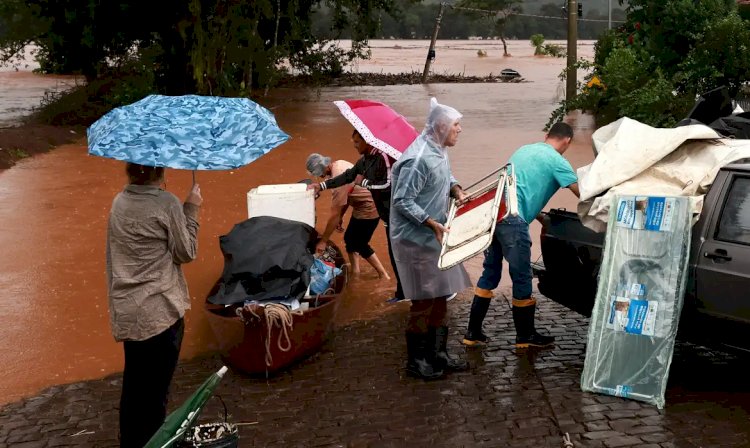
(540, 171)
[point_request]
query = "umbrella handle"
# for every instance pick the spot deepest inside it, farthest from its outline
(193, 177)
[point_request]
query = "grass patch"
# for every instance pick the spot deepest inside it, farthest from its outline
(18, 154)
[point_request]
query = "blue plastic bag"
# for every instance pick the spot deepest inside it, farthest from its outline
(321, 276)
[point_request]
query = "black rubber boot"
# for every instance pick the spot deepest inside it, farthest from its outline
(526, 335)
(442, 358)
(421, 362)
(474, 335)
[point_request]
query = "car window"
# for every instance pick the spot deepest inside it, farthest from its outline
(734, 225)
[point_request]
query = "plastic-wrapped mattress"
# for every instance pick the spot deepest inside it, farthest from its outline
(639, 298)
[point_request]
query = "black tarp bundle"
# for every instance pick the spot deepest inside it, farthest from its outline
(265, 258)
(715, 109)
(736, 126)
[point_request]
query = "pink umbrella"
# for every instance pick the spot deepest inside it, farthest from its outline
(380, 126)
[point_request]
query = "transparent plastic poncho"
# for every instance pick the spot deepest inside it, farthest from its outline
(421, 183)
(639, 298)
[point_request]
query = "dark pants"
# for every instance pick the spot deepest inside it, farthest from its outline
(358, 234)
(399, 289)
(149, 366)
(427, 313)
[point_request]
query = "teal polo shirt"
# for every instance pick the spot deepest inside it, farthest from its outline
(540, 172)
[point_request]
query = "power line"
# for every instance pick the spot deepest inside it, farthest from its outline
(564, 18)
(479, 10)
(508, 14)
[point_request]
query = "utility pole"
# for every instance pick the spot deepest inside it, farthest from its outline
(431, 52)
(572, 75)
(609, 21)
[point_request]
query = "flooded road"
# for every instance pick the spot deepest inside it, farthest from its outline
(54, 325)
(21, 90)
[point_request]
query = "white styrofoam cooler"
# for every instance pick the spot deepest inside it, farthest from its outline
(288, 201)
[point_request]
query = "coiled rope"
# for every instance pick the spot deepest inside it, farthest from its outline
(566, 441)
(277, 315)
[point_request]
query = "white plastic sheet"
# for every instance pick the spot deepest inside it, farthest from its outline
(636, 159)
(639, 298)
(422, 181)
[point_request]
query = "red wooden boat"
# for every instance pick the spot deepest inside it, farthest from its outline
(245, 343)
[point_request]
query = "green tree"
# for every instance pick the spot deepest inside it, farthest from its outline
(497, 11)
(19, 25)
(667, 29)
(725, 40)
(219, 46)
(666, 53)
(54, 26)
(131, 48)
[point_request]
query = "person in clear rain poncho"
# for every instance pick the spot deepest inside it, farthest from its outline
(422, 188)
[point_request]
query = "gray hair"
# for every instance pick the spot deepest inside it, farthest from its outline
(439, 121)
(317, 164)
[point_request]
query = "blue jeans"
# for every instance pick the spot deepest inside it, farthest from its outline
(512, 241)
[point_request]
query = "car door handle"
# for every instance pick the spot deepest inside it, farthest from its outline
(718, 255)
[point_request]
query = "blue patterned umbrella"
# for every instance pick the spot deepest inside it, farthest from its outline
(187, 132)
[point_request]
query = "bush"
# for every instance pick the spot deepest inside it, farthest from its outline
(554, 50)
(126, 83)
(652, 68)
(326, 60)
(537, 40)
(541, 49)
(630, 89)
(604, 46)
(721, 56)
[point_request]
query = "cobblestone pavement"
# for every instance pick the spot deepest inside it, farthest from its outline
(354, 393)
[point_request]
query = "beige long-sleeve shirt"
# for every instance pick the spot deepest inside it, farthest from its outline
(150, 235)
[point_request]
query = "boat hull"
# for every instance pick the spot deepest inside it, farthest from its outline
(243, 341)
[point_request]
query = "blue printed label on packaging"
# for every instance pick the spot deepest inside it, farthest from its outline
(637, 290)
(622, 391)
(646, 213)
(634, 316)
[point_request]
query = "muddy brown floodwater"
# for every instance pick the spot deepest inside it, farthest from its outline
(54, 324)
(21, 92)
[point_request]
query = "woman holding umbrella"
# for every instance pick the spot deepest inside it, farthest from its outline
(150, 235)
(384, 134)
(374, 168)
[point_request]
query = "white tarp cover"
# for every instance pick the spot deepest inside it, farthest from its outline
(636, 159)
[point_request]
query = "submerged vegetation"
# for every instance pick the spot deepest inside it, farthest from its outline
(542, 49)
